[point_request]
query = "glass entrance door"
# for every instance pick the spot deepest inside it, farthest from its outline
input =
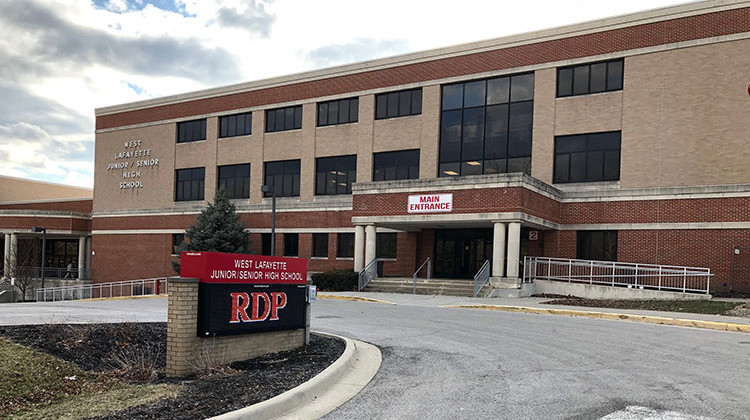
(460, 253)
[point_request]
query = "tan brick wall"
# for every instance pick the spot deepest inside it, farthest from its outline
(188, 354)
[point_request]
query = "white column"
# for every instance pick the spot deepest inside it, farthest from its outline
(514, 248)
(359, 248)
(81, 256)
(6, 255)
(13, 260)
(369, 243)
(498, 250)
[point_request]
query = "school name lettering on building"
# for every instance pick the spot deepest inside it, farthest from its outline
(130, 162)
(430, 203)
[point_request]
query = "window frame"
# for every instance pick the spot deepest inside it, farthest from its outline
(339, 247)
(380, 238)
(606, 236)
(283, 112)
(245, 188)
(288, 240)
(323, 112)
(341, 169)
(387, 98)
(175, 244)
(227, 118)
(201, 183)
(571, 86)
(295, 177)
(588, 151)
(404, 155)
(185, 127)
(316, 237)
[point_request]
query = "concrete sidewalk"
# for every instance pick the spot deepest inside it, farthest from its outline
(530, 302)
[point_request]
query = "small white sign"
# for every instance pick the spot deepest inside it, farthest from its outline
(533, 235)
(431, 203)
(12, 281)
(312, 295)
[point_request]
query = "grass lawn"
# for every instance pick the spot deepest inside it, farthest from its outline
(37, 385)
(710, 307)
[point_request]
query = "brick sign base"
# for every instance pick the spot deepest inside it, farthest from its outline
(188, 354)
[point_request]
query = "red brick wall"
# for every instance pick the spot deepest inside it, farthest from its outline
(56, 223)
(615, 40)
(127, 257)
(735, 209)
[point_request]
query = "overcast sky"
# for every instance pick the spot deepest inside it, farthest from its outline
(61, 59)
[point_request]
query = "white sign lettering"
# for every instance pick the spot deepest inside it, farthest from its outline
(431, 203)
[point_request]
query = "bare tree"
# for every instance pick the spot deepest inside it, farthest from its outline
(24, 271)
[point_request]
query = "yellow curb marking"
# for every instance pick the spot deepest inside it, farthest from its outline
(711, 325)
(163, 295)
(355, 298)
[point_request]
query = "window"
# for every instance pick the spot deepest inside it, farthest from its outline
(283, 119)
(236, 125)
(60, 252)
(342, 111)
(390, 166)
(265, 240)
(235, 179)
(385, 245)
(291, 244)
(486, 125)
(190, 184)
(398, 104)
(587, 157)
(191, 131)
(177, 240)
(335, 175)
(283, 177)
(320, 245)
(590, 78)
(345, 248)
(599, 245)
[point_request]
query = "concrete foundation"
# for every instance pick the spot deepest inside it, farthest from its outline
(592, 291)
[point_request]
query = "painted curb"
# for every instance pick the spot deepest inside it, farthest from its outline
(329, 389)
(710, 325)
(355, 299)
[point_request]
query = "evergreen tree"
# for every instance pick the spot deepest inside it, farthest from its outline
(218, 229)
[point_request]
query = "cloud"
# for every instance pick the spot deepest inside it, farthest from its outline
(254, 18)
(359, 50)
(29, 151)
(20, 105)
(64, 43)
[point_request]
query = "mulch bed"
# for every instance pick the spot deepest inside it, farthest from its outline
(690, 306)
(98, 347)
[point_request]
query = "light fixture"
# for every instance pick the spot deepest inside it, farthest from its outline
(474, 163)
(451, 173)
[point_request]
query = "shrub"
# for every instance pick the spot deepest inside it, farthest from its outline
(336, 280)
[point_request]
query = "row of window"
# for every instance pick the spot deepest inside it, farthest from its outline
(342, 111)
(385, 244)
(578, 158)
(333, 175)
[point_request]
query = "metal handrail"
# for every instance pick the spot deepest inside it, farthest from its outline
(367, 274)
(414, 277)
(482, 277)
(55, 272)
(127, 288)
(615, 273)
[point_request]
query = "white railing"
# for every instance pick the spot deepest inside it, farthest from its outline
(367, 274)
(622, 274)
(482, 277)
(128, 288)
(428, 262)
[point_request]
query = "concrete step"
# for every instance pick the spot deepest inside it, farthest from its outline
(449, 287)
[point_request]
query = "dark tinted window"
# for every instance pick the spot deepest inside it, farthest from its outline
(177, 240)
(590, 78)
(291, 244)
(189, 184)
(398, 104)
(486, 126)
(335, 175)
(391, 166)
(345, 246)
(235, 179)
(236, 125)
(283, 119)
(385, 245)
(320, 245)
(599, 245)
(342, 111)
(191, 131)
(265, 239)
(587, 157)
(283, 177)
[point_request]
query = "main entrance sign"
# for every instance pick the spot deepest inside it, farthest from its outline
(240, 293)
(430, 203)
